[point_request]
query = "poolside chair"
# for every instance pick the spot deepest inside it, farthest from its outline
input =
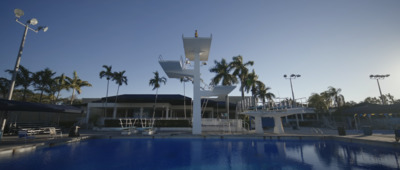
(52, 131)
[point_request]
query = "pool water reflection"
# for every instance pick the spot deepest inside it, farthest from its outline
(207, 154)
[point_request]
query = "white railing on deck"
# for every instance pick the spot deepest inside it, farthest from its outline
(250, 104)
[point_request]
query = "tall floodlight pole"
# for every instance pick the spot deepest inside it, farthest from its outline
(196, 49)
(18, 13)
(293, 76)
(377, 77)
(33, 21)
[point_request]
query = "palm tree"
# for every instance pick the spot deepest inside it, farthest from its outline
(75, 84)
(184, 80)
(336, 96)
(262, 93)
(42, 80)
(52, 90)
(241, 71)
(222, 70)
(318, 102)
(24, 79)
(251, 85)
(120, 79)
(390, 98)
(108, 74)
(4, 86)
(327, 98)
(155, 82)
(61, 83)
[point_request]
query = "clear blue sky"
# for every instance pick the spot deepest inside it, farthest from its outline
(330, 43)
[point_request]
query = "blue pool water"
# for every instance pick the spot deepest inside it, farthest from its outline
(208, 154)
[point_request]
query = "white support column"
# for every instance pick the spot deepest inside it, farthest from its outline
(227, 105)
(196, 120)
(166, 112)
(278, 128)
(87, 115)
(258, 124)
(115, 111)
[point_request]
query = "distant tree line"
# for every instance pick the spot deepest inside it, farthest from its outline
(332, 98)
(42, 86)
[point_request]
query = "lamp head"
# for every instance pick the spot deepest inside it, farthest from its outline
(387, 75)
(18, 13)
(285, 75)
(44, 28)
(33, 21)
(371, 76)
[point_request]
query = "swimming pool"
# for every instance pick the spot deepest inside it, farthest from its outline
(178, 153)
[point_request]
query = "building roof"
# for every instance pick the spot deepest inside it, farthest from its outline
(148, 98)
(12, 105)
(173, 99)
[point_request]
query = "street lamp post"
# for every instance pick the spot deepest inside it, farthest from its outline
(377, 77)
(33, 21)
(18, 13)
(290, 77)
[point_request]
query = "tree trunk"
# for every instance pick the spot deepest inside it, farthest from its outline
(242, 92)
(105, 108)
(115, 104)
(40, 98)
(227, 105)
(24, 96)
(72, 97)
(154, 108)
(263, 101)
(58, 95)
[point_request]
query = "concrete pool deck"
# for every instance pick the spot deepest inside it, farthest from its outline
(13, 144)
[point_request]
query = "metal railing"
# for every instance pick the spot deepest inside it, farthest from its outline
(249, 103)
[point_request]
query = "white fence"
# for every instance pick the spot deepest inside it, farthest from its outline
(249, 103)
(222, 125)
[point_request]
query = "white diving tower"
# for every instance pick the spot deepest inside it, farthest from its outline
(196, 49)
(245, 108)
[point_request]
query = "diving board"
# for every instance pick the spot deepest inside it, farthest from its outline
(175, 69)
(218, 91)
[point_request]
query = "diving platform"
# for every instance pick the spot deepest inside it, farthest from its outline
(175, 69)
(197, 46)
(276, 113)
(217, 91)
